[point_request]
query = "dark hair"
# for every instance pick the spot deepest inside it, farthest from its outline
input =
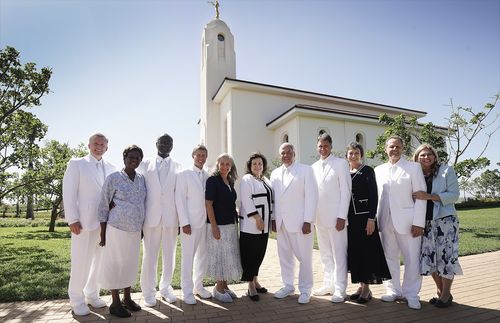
(132, 148)
(356, 145)
(255, 156)
(325, 137)
(165, 135)
(199, 147)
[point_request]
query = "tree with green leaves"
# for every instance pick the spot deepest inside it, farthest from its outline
(21, 88)
(412, 133)
(487, 185)
(50, 166)
(466, 128)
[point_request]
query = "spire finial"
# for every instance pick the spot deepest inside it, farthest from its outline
(216, 6)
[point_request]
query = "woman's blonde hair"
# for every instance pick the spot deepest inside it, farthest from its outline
(435, 165)
(233, 174)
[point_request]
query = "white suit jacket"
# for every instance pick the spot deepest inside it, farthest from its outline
(294, 203)
(334, 188)
(395, 198)
(82, 191)
(190, 198)
(160, 201)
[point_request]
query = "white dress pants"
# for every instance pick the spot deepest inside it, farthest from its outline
(194, 259)
(394, 245)
(153, 236)
(293, 245)
(333, 251)
(85, 266)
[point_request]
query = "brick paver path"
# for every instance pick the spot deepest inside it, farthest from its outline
(476, 299)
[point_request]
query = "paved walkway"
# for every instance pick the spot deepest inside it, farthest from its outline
(476, 299)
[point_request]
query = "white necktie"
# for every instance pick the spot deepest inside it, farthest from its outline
(163, 172)
(286, 176)
(200, 177)
(101, 175)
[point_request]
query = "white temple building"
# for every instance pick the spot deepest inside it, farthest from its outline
(240, 117)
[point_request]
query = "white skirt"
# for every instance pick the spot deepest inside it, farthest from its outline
(120, 259)
(223, 255)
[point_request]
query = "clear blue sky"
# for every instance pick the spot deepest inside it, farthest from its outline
(130, 69)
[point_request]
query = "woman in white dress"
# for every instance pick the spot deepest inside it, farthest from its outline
(121, 213)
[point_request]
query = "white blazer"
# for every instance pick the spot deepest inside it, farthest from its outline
(160, 202)
(334, 188)
(395, 198)
(255, 199)
(190, 198)
(296, 202)
(82, 191)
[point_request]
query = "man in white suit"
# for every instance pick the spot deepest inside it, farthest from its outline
(161, 223)
(190, 202)
(296, 196)
(82, 185)
(401, 221)
(334, 186)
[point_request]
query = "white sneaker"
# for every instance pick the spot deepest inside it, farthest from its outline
(150, 301)
(414, 304)
(222, 297)
(189, 299)
(168, 295)
(322, 291)
(231, 293)
(338, 298)
(284, 292)
(389, 297)
(202, 292)
(304, 298)
(81, 310)
(96, 302)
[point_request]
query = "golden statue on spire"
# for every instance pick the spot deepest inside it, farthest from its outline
(216, 6)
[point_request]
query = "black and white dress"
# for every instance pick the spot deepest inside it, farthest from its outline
(256, 198)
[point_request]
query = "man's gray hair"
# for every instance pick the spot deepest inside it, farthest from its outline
(97, 135)
(286, 144)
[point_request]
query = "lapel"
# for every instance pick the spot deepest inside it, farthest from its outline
(399, 170)
(153, 172)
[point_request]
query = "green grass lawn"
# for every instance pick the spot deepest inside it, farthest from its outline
(34, 263)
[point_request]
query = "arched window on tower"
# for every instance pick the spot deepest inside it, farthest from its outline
(284, 139)
(221, 46)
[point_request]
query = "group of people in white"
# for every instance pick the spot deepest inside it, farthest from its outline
(364, 218)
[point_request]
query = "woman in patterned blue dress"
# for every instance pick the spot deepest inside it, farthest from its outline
(439, 253)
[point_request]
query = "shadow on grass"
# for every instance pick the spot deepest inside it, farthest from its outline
(31, 273)
(39, 234)
(485, 233)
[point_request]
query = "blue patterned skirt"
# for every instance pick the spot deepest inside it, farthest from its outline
(439, 253)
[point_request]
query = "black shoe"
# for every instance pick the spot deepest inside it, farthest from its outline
(261, 290)
(442, 304)
(362, 300)
(119, 311)
(131, 305)
(433, 300)
(254, 298)
(354, 297)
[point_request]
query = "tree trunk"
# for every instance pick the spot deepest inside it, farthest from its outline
(30, 214)
(53, 213)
